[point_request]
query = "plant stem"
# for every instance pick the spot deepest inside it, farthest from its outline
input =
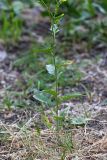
(52, 19)
(55, 65)
(56, 76)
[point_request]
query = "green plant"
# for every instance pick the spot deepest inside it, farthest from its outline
(54, 69)
(10, 28)
(11, 22)
(7, 102)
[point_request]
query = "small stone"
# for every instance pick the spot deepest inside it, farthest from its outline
(3, 55)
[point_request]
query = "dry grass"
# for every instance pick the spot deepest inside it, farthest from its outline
(22, 143)
(27, 144)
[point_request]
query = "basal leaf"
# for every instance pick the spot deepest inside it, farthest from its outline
(79, 120)
(42, 97)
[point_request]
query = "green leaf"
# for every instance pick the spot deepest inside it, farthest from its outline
(70, 96)
(64, 112)
(99, 7)
(51, 92)
(59, 118)
(17, 6)
(58, 18)
(46, 121)
(3, 6)
(79, 121)
(42, 97)
(62, 1)
(89, 7)
(45, 50)
(51, 69)
(54, 28)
